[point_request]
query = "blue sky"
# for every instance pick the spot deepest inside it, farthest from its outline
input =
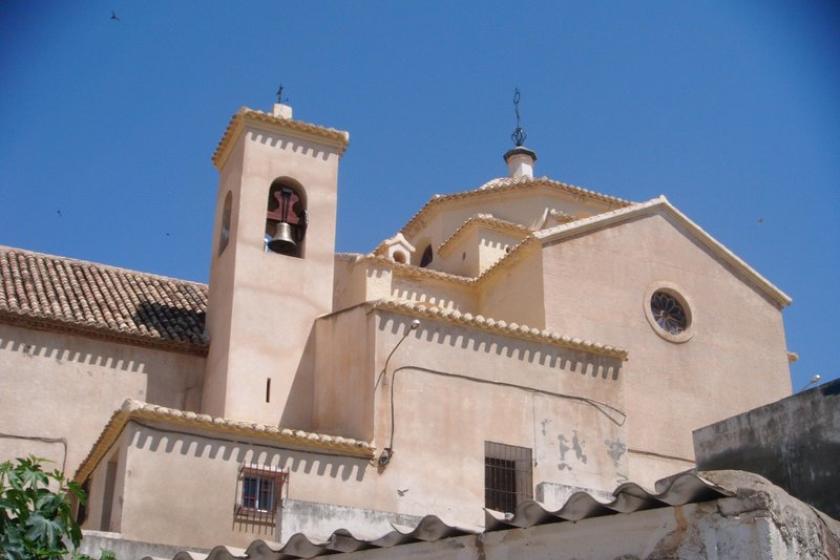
(729, 108)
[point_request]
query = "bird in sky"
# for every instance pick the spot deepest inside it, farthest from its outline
(761, 220)
(114, 16)
(58, 212)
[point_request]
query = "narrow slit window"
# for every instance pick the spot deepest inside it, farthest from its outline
(224, 231)
(268, 390)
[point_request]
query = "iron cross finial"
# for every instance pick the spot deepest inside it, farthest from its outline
(518, 135)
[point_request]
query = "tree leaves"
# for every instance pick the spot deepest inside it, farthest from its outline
(36, 517)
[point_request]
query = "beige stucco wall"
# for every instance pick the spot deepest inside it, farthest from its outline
(514, 293)
(526, 207)
(456, 388)
(476, 250)
(344, 355)
(61, 385)
(270, 300)
(596, 286)
(459, 387)
(165, 502)
(433, 291)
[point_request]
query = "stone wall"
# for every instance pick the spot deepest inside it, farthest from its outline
(794, 442)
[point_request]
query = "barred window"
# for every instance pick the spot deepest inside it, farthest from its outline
(507, 476)
(259, 494)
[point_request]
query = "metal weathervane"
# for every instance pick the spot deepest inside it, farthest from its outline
(518, 135)
(280, 95)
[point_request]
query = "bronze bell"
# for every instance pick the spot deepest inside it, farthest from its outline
(283, 240)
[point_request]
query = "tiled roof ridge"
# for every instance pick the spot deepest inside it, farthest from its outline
(52, 292)
(484, 219)
(511, 329)
(506, 184)
(132, 409)
(100, 265)
(340, 137)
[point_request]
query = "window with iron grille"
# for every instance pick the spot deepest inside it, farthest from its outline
(259, 494)
(507, 476)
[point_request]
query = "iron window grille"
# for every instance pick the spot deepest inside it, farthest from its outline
(259, 494)
(508, 479)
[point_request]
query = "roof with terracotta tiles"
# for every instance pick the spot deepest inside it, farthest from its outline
(57, 293)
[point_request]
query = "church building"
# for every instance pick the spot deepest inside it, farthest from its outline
(524, 339)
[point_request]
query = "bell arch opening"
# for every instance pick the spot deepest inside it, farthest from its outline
(286, 218)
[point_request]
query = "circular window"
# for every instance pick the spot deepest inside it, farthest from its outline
(668, 312)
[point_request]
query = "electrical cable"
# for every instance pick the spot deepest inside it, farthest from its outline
(604, 408)
(62, 441)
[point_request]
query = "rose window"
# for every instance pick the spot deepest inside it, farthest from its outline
(668, 312)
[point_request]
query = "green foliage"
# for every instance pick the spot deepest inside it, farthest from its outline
(36, 518)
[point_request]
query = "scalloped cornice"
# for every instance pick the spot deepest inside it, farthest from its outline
(507, 185)
(486, 220)
(513, 330)
(297, 439)
(325, 135)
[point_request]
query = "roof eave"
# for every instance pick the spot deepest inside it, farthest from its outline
(338, 139)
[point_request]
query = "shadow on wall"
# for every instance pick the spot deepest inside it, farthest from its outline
(171, 322)
(292, 145)
(162, 440)
(298, 410)
(69, 352)
(423, 294)
(544, 355)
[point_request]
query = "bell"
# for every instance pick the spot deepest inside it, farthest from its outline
(283, 241)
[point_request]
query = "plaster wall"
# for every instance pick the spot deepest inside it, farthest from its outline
(476, 250)
(344, 354)
(461, 257)
(220, 296)
(98, 494)
(514, 293)
(794, 442)
(161, 490)
(524, 206)
(597, 287)
(350, 283)
(442, 293)
(454, 388)
(273, 298)
(77, 383)
(492, 246)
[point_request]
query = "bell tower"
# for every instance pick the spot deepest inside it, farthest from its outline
(271, 272)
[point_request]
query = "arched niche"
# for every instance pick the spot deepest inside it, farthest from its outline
(286, 218)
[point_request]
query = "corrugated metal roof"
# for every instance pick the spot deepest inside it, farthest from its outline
(681, 489)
